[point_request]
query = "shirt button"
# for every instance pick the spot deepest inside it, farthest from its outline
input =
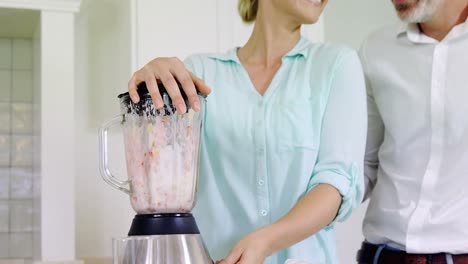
(261, 182)
(264, 212)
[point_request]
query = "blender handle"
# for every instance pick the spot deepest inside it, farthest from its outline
(104, 157)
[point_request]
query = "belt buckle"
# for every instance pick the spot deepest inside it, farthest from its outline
(416, 259)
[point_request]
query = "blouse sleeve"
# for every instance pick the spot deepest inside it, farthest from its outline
(343, 135)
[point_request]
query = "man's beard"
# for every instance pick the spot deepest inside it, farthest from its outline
(422, 11)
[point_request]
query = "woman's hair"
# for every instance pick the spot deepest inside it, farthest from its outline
(248, 10)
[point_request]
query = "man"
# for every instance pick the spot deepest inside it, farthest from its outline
(417, 147)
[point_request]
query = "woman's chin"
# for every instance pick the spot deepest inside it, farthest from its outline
(310, 20)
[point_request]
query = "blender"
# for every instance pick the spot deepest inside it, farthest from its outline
(162, 158)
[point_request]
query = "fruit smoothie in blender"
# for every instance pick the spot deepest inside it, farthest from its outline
(161, 163)
(162, 152)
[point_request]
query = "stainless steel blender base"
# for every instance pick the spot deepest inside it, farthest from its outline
(160, 249)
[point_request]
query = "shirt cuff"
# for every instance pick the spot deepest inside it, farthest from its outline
(349, 184)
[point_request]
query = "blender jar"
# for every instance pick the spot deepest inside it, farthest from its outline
(161, 150)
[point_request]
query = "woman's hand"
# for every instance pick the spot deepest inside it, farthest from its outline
(168, 70)
(252, 249)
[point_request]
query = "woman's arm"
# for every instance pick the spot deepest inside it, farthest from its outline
(310, 214)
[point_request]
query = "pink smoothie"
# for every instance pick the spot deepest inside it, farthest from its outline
(162, 162)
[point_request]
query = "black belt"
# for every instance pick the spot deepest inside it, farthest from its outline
(368, 252)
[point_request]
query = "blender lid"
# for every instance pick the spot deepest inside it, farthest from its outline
(144, 94)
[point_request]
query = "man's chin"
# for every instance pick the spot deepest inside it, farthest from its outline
(405, 8)
(406, 16)
(413, 17)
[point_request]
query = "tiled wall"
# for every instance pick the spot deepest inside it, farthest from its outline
(16, 149)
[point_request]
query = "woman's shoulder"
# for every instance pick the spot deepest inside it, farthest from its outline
(195, 60)
(331, 53)
(331, 61)
(204, 58)
(202, 62)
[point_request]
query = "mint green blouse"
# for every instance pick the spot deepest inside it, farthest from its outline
(260, 154)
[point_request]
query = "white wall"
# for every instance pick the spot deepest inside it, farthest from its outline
(102, 71)
(171, 28)
(349, 22)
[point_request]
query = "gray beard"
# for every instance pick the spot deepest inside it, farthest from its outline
(424, 10)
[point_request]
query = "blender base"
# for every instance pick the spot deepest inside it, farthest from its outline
(160, 249)
(163, 224)
(171, 238)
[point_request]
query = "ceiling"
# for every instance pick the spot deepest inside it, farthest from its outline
(18, 23)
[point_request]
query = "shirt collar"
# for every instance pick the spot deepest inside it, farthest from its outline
(301, 49)
(403, 28)
(414, 34)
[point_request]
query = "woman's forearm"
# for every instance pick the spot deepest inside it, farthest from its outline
(313, 212)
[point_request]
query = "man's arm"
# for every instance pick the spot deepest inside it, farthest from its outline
(375, 128)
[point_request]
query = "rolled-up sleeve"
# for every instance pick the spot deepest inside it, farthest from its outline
(343, 135)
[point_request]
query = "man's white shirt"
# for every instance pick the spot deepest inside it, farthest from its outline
(416, 163)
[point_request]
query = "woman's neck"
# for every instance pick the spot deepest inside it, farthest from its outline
(271, 39)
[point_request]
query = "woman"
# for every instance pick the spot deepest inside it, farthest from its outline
(283, 140)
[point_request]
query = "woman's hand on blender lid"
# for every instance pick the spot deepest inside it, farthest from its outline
(168, 70)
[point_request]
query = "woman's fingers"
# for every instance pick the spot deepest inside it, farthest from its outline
(185, 79)
(234, 256)
(133, 86)
(152, 85)
(173, 90)
(200, 84)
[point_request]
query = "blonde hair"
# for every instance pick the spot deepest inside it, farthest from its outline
(248, 10)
